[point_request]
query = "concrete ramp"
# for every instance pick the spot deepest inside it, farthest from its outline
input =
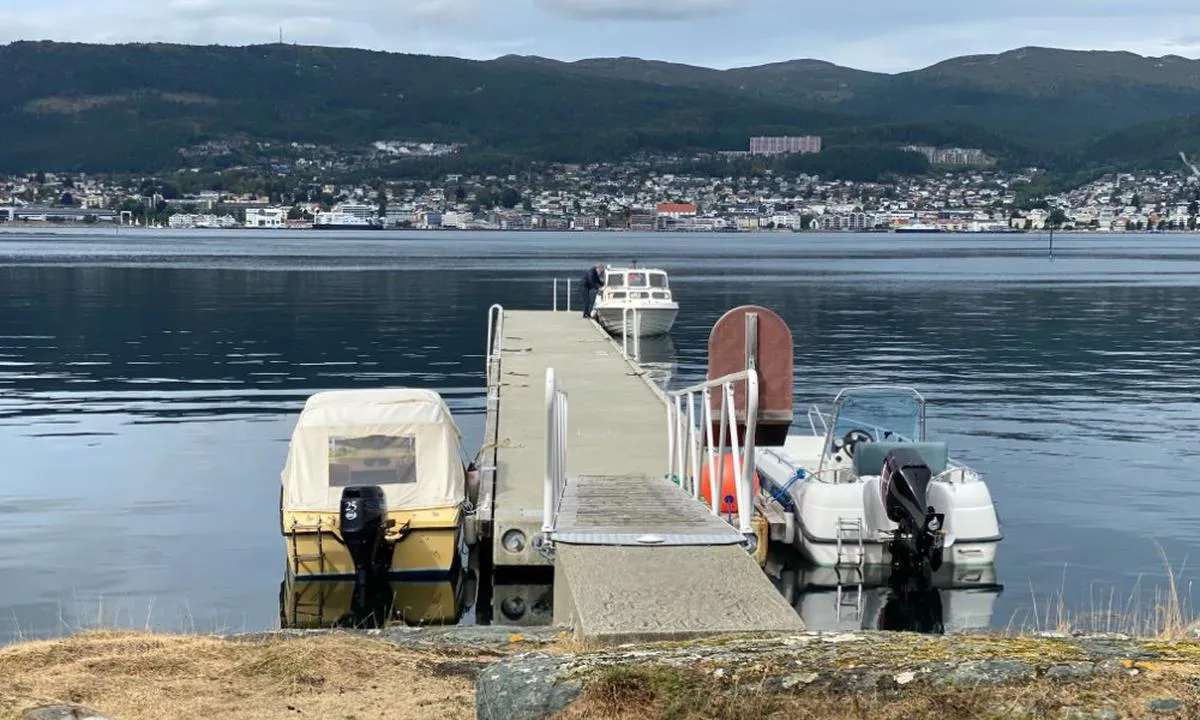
(620, 594)
(637, 560)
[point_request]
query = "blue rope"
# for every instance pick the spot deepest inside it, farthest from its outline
(781, 493)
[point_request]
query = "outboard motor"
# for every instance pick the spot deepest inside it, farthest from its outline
(363, 517)
(917, 541)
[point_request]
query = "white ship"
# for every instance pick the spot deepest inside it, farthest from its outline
(342, 220)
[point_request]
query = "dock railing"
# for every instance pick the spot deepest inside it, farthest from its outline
(568, 298)
(556, 451)
(686, 444)
(631, 319)
(495, 342)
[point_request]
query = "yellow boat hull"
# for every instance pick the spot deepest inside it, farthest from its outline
(427, 544)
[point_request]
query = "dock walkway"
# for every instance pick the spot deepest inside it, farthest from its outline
(695, 579)
(617, 424)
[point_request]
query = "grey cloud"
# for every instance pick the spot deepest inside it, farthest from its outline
(639, 9)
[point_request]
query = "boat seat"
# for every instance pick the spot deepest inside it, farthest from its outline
(869, 456)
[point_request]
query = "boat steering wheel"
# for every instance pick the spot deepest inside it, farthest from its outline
(851, 440)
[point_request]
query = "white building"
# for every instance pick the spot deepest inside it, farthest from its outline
(266, 218)
(785, 145)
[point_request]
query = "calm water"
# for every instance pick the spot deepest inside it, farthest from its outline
(148, 385)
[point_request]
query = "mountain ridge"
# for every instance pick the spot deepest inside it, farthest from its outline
(132, 106)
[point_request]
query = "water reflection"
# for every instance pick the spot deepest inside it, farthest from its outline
(954, 599)
(656, 356)
(310, 604)
(149, 382)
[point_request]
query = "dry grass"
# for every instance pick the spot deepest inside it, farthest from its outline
(1165, 613)
(664, 693)
(140, 675)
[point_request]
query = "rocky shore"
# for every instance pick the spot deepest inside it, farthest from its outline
(530, 674)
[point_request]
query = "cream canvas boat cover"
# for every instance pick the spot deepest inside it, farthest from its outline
(403, 440)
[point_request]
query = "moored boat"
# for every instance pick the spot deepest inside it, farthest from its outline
(636, 301)
(374, 488)
(871, 489)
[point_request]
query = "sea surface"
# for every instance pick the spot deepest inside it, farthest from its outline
(149, 383)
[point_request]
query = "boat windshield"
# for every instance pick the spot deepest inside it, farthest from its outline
(658, 280)
(636, 279)
(886, 413)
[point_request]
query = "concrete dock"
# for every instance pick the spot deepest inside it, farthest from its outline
(617, 424)
(694, 579)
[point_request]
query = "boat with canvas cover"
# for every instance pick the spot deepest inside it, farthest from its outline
(374, 488)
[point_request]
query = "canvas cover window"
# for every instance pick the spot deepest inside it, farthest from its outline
(372, 460)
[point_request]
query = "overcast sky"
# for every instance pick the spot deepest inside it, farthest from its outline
(877, 35)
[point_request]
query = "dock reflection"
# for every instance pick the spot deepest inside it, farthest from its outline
(955, 599)
(313, 604)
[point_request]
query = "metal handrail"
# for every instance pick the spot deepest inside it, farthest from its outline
(495, 330)
(556, 294)
(684, 441)
(556, 451)
(637, 332)
(495, 337)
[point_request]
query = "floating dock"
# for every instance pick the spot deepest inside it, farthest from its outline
(593, 495)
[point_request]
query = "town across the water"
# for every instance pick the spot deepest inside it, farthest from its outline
(622, 196)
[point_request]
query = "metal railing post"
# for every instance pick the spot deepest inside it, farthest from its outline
(679, 454)
(671, 428)
(555, 294)
(713, 480)
(550, 487)
(568, 294)
(637, 334)
(734, 450)
(557, 409)
(495, 327)
(746, 476)
(693, 446)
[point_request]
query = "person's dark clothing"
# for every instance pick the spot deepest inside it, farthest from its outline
(592, 282)
(592, 279)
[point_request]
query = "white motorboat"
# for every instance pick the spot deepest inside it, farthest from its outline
(637, 299)
(863, 491)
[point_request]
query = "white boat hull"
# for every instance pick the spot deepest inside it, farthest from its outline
(652, 320)
(972, 527)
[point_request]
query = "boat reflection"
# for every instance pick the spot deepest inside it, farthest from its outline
(954, 599)
(656, 356)
(311, 604)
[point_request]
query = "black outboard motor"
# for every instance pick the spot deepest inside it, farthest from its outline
(363, 525)
(917, 543)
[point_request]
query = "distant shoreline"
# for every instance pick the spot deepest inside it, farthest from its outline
(40, 226)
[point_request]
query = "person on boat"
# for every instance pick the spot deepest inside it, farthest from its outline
(593, 280)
